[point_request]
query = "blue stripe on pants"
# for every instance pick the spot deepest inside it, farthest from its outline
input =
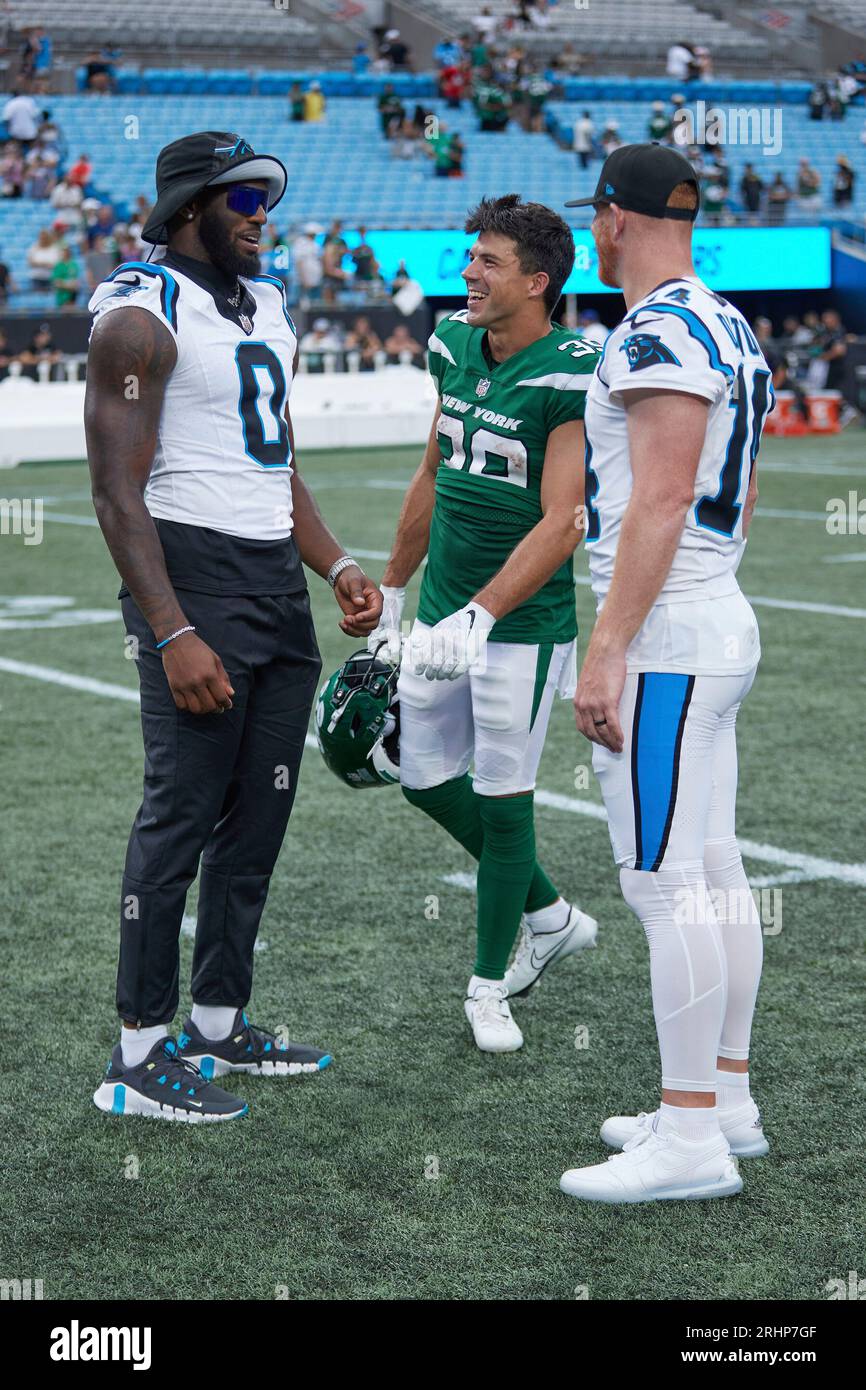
(657, 731)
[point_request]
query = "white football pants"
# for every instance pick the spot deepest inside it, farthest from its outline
(670, 798)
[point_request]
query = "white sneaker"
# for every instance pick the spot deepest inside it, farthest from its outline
(658, 1167)
(493, 1027)
(741, 1127)
(537, 950)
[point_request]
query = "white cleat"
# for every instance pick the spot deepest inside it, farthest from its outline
(741, 1127)
(656, 1168)
(538, 950)
(490, 1018)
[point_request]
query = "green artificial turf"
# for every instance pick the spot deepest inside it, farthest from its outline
(416, 1167)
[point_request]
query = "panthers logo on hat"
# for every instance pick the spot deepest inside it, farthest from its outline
(647, 350)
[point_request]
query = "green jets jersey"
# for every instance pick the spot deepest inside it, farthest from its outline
(493, 430)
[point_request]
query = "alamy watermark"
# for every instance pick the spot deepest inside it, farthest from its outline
(759, 126)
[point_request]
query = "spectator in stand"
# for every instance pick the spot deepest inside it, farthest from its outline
(395, 52)
(457, 153)
(333, 275)
(479, 54)
(40, 177)
(492, 102)
(401, 348)
(66, 279)
(81, 171)
(537, 90)
(42, 258)
(318, 344)
(660, 123)
(22, 117)
(778, 197)
(12, 170)
(364, 257)
(719, 165)
(843, 183)
(714, 197)
(817, 101)
(314, 103)
(808, 187)
(827, 369)
(539, 14)
(679, 62)
(7, 285)
(363, 341)
(453, 84)
(98, 74)
(570, 60)
(67, 198)
(307, 255)
(513, 65)
(392, 112)
(401, 278)
(448, 52)
(589, 326)
(486, 24)
(584, 133)
(610, 138)
(794, 332)
(703, 62)
(129, 247)
(438, 146)
(296, 102)
(751, 189)
(100, 261)
(40, 349)
(140, 214)
(7, 356)
(404, 139)
(360, 60)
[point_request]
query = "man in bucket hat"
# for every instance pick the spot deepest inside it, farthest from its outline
(196, 489)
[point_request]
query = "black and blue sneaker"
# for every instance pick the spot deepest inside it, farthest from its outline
(165, 1086)
(249, 1049)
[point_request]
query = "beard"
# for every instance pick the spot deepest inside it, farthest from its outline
(607, 271)
(223, 251)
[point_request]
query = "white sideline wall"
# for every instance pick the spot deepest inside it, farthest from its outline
(330, 411)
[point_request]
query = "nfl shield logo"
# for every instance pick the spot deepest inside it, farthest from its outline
(246, 325)
(483, 387)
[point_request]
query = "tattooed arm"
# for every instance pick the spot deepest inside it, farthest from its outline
(131, 357)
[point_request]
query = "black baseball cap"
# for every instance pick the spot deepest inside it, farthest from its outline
(194, 162)
(641, 178)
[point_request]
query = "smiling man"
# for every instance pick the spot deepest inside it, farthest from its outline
(196, 488)
(496, 507)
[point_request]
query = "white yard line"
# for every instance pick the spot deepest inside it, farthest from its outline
(810, 866)
(856, 559)
(792, 605)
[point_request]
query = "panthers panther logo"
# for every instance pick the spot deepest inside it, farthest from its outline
(647, 350)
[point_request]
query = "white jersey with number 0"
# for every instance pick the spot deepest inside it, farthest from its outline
(223, 456)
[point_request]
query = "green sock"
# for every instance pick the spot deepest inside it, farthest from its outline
(504, 875)
(456, 807)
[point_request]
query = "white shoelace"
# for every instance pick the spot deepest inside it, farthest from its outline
(492, 1009)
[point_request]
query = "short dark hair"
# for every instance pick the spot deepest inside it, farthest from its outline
(543, 238)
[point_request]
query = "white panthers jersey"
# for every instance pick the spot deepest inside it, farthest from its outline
(683, 337)
(223, 456)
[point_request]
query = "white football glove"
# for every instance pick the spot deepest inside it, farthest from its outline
(388, 630)
(447, 650)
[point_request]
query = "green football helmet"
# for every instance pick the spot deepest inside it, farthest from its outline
(358, 722)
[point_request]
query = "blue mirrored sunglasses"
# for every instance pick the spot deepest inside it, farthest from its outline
(245, 199)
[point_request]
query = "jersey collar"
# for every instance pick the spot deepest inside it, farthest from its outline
(219, 286)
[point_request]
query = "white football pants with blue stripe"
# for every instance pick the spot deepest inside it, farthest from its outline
(670, 797)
